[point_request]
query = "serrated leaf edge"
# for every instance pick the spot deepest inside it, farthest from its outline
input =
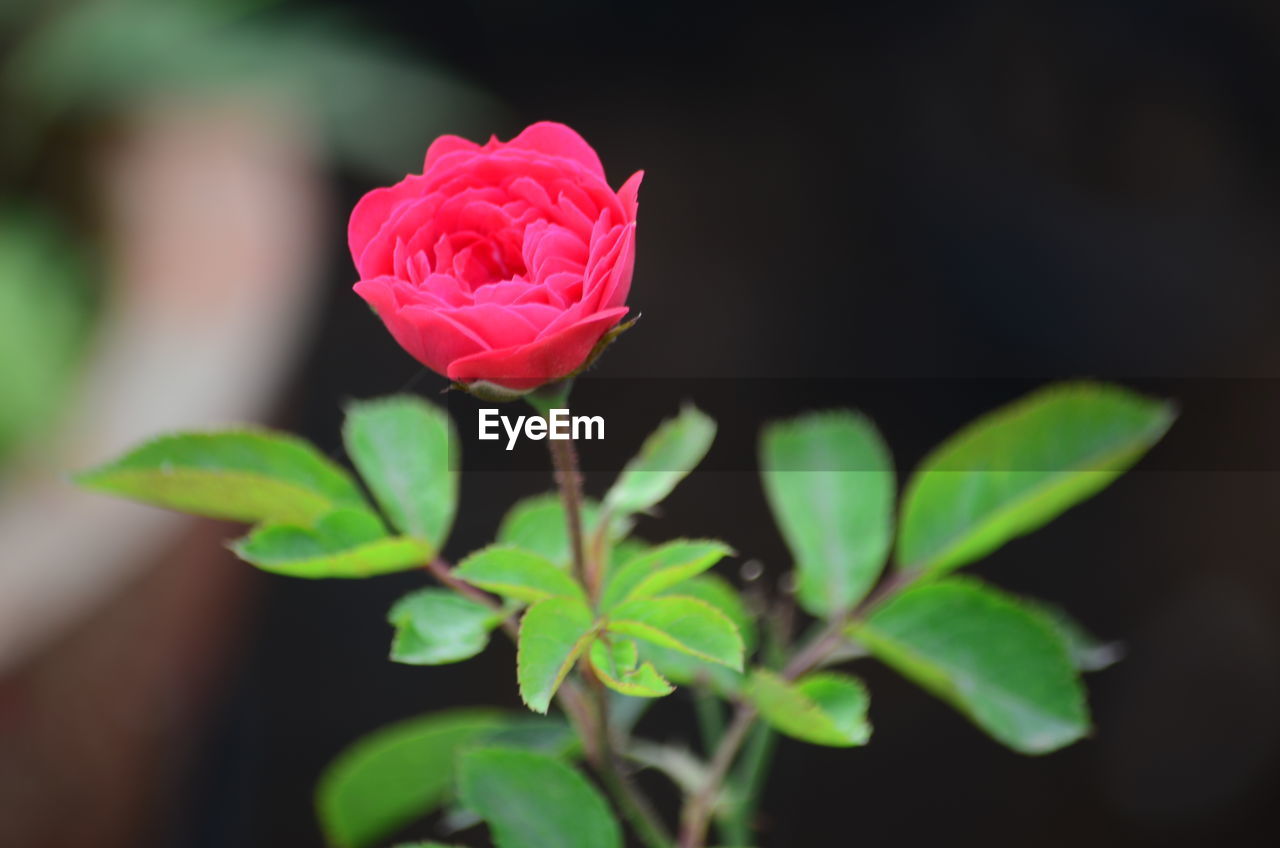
(670, 642)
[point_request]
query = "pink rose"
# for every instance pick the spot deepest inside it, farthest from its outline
(504, 263)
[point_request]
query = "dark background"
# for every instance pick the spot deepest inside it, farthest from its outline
(938, 191)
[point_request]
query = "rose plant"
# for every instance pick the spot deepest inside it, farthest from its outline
(504, 267)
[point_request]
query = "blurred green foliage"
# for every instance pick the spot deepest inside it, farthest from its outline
(44, 309)
(374, 103)
(68, 66)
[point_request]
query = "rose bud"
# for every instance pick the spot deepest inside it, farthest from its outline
(503, 265)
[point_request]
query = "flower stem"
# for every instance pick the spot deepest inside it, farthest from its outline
(564, 457)
(710, 717)
(748, 780)
(633, 805)
(569, 696)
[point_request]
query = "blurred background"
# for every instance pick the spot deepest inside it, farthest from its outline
(921, 195)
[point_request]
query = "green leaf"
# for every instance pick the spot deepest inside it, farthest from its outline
(660, 568)
(401, 446)
(519, 574)
(829, 481)
(666, 458)
(344, 543)
(719, 593)
(1017, 468)
(438, 626)
(623, 551)
(997, 661)
(551, 736)
(533, 801)
(686, 670)
(825, 708)
(1088, 652)
(538, 524)
(242, 475)
(683, 624)
(617, 664)
(553, 634)
(395, 775)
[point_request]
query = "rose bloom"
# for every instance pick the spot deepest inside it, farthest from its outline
(504, 263)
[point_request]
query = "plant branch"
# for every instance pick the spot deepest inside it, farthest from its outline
(585, 720)
(753, 761)
(607, 762)
(564, 458)
(698, 809)
(811, 655)
(569, 696)
(747, 781)
(633, 803)
(442, 571)
(598, 546)
(711, 723)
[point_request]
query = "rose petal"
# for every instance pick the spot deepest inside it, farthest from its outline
(505, 291)
(379, 293)
(548, 358)
(565, 287)
(498, 326)
(590, 202)
(604, 241)
(537, 313)
(446, 144)
(432, 337)
(548, 242)
(400, 260)
(482, 216)
(419, 268)
(433, 341)
(387, 295)
(618, 285)
(447, 289)
(628, 193)
(571, 216)
(531, 191)
(410, 216)
(373, 210)
(558, 140)
(606, 253)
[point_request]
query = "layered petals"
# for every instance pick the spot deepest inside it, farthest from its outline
(526, 367)
(558, 140)
(504, 263)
